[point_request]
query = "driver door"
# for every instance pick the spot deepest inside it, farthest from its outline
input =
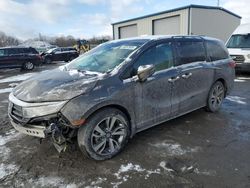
(154, 106)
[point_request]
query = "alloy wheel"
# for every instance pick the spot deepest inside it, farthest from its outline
(108, 135)
(217, 96)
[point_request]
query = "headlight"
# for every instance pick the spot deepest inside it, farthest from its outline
(30, 110)
(42, 110)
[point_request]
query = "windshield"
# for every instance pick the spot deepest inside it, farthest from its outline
(239, 41)
(105, 57)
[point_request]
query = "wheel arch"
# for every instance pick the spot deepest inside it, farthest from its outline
(120, 107)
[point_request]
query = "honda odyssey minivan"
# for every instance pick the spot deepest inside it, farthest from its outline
(121, 87)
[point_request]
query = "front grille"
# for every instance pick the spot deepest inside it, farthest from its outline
(17, 111)
(238, 58)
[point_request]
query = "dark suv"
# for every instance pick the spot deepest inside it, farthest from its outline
(19, 57)
(60, 54)
(120, 88)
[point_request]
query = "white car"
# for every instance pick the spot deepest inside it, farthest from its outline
(239, 47)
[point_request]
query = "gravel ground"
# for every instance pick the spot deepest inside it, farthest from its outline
(200, 149)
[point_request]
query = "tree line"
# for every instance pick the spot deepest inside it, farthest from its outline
(61, 41)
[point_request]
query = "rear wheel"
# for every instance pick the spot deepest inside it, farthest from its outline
(215, 97)
(28, 66)
(104, 135)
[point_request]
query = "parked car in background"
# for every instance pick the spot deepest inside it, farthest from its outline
(239, 47)
(19, 57)
(60, 54)
(120, 88)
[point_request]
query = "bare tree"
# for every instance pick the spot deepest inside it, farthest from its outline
(6, 40)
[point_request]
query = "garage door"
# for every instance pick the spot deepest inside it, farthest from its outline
(128, 31)
(167, 26)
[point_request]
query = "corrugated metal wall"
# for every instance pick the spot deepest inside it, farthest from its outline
(145, 25)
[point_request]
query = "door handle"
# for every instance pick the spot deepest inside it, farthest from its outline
(187, 75)
(173, 79)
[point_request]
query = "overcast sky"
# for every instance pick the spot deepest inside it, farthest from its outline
(86, 18)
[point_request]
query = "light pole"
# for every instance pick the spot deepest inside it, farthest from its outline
(218, 3)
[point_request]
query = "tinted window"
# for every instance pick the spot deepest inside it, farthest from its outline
(161, 56)
(190, 51)
(216, 50)
(13, 51)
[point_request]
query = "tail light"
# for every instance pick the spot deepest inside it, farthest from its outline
(232, 64)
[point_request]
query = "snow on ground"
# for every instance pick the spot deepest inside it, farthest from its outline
(239, 80)
(13, 84)
(172, 148)
(122, 174)
(17, 78)
(236, 99)
(7, 169)
(6, 90)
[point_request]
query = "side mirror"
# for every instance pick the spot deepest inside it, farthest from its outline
(145, 71)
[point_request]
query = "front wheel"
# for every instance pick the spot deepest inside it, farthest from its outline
(215, 97)
(104, 135)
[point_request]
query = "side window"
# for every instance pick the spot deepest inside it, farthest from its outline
(190, 51)
(161, 56)
(2, 52)
(216, 50)
(12, 51)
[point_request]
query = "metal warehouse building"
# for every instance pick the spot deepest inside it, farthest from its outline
(189, 20)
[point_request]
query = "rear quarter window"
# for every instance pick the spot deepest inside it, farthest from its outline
(190, 51)
(216, 50)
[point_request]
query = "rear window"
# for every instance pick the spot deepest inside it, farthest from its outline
(216, 50)
(190, 51)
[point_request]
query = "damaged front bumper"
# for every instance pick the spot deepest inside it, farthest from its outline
(35, 119)
(32, 130)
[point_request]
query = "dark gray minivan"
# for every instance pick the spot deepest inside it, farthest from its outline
(120, 88)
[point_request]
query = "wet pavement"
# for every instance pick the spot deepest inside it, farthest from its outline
(199, 149)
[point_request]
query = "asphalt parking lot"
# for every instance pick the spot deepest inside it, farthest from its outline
(200, 149)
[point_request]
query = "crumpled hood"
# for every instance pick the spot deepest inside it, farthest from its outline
(56, 85)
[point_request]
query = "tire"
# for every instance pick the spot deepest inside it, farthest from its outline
(215, 97)
(28, 66)
(99, 143)
(47, 60)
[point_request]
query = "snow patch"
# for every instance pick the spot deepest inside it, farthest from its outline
(238, 80)
(7, 169)
(174, 149)
(96, 183)
(205, 172)
(236, 99)
(13, 84)
(9, 136)
(122, 174)
(6, 90)
(17, 78)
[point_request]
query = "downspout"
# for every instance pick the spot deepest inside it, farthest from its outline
(189, 20)
(113, 28)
